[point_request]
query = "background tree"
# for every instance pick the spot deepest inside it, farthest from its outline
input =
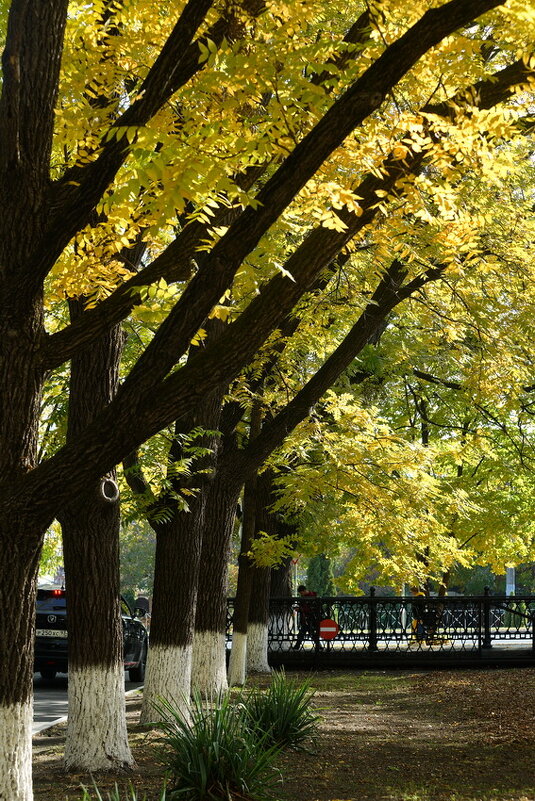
(320, 576)
(137, 546)
(446, 394)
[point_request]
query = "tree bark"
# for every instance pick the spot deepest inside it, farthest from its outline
(20, 554)
(281, 585)
(176, 569)
(257, 637)
(238, 654)
(257, 651)
(21, 329)
(96, 733)
(179, 534)
(209, 673)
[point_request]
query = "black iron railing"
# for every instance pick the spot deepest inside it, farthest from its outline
(394, 624)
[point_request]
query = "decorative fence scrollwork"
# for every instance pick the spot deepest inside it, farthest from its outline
(403, 625)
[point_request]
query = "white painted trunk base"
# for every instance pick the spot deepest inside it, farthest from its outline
(97, 738)
(167, 676)
(257, 648)
(236, 670)
(209, 665)
(16, 752)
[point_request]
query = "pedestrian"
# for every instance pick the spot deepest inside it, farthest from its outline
(308, 617)
(424, 617)
(418, 632)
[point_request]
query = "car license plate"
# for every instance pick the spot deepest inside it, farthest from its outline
(50, 633)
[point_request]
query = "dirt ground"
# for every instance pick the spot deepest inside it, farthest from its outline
(464, 735)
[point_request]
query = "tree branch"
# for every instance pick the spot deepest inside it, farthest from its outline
(135, 477)
(220, 265)
(148, 504)
(432, 379)
(74, 197)
(31, 64)
(151, 402)
(174, 263)
(388, 294)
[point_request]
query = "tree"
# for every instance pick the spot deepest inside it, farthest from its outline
(96, 732)
(468, 501)
(62, 162)
(51, 558)
(137, 544)
(177, 516)
(320, 576)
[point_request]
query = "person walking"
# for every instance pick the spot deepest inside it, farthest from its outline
(308, 617)
(418, 632)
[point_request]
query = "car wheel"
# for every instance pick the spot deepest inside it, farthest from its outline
(48, 674)
(138, 673)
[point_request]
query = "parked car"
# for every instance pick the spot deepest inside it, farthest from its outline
(51, 636)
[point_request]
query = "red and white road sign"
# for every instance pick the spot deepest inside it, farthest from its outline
(329, 629)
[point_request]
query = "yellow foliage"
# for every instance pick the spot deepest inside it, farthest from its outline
(270, 551)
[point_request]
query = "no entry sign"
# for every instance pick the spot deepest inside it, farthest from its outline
(329, 629)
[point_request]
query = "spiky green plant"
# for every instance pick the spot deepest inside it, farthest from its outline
(282, 714)
(213, 755)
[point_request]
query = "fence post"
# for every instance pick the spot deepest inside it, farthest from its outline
(487, 639)
(373, 621)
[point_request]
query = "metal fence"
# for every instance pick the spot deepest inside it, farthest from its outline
(399, 625)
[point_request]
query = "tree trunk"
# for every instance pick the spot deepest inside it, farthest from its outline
(97, 737)
(96, 733)
(281, 585)
(257, 651)
(238, 654)
(21, 529)
(257, 639)
(178, 557)
(17, 594)
(209, 671)
(176, 569)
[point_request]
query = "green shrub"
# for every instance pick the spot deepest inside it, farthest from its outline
(282, 713)
(214, 755)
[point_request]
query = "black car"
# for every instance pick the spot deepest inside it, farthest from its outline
(51, 640)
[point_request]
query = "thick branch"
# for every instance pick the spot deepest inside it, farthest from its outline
(386, 297)
(358, 34)
(75, 196)
(147, 503)
(220, 266)
(134, 475)
(174, 263)
(432, 379)
(153, 403)
(30, 63)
